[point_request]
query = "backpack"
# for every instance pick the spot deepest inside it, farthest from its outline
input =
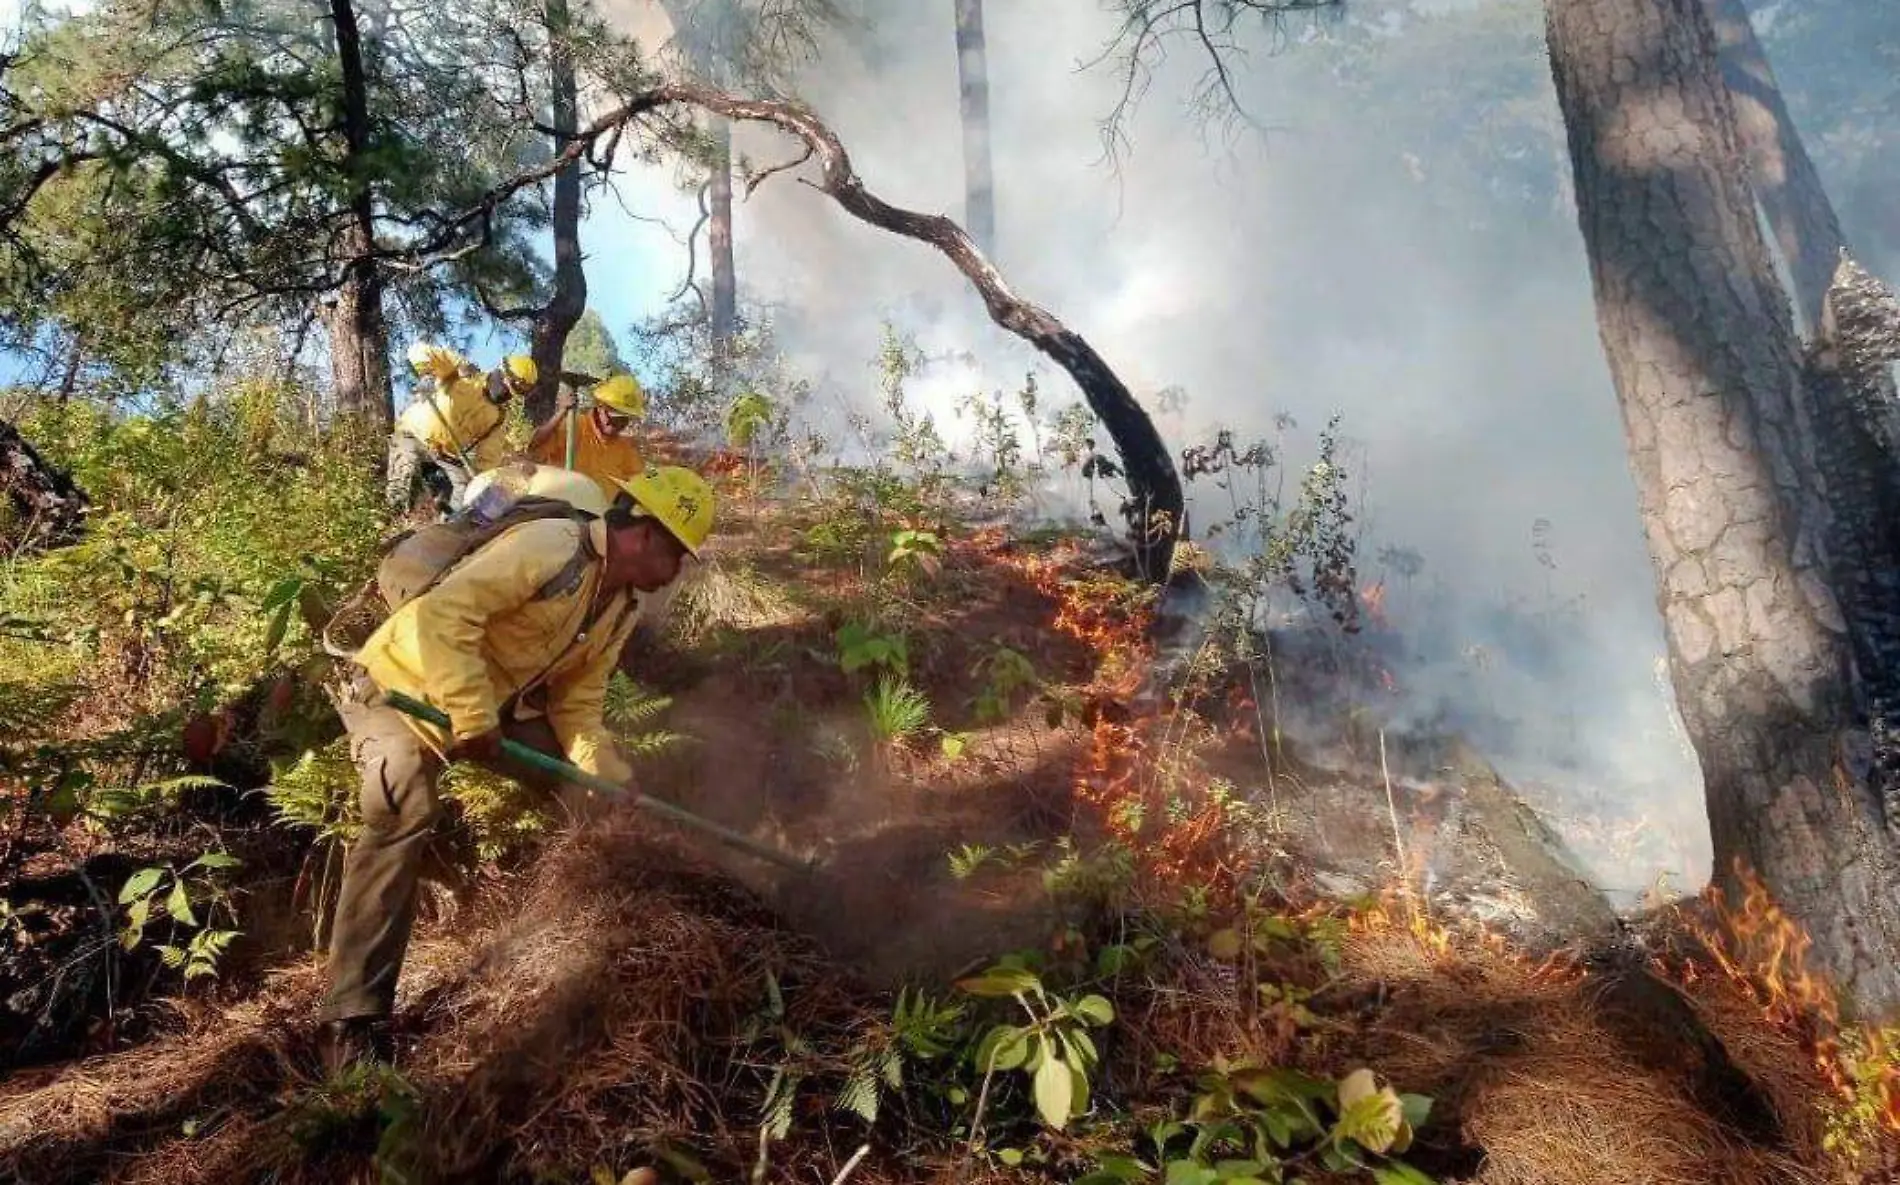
(418, 559)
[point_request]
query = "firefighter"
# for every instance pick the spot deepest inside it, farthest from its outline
(518, 640)
(604, 444)
(457, 425)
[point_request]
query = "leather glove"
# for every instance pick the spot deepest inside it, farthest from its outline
(483, 746)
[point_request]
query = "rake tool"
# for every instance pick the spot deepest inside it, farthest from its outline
(569, 772)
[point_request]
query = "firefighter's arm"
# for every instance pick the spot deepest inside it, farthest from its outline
(452, 618)
(576, 704)
(563, 404)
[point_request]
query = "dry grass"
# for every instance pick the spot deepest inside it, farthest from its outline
(1563, 1077)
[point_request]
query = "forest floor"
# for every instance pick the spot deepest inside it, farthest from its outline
(591, 1002)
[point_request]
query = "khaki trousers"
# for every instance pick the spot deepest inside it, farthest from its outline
(376, 907)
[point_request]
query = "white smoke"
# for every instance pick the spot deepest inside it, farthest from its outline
(1310, 272)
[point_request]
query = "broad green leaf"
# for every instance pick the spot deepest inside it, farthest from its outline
(1094, 1009)
(1188, 1172)
(215, 860)
(1079, 1100)
(279, 626)
(1111, 961)
(1397, 1172)
(1240, 1168)
(1117, 1167)
(1417, 1108)
(172, 956)
(140, 883)
(1055, 1092)
(1001, 981)
(179, 904)
(283, 593)
(1006, 1047)
(1010, 1156)
(1081, 1047)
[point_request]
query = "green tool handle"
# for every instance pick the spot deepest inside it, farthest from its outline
(573, 430)
(567, 771)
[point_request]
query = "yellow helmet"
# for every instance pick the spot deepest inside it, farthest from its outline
(522, 369)
(622, 393)
(681, 499)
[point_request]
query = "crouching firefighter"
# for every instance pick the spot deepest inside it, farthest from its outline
(513, 638)
(457, 425)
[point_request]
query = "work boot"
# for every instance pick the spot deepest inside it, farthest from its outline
(344, 1043)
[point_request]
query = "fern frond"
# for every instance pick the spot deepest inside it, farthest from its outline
(859, 1095)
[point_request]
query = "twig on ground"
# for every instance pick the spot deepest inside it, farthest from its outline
(857, 1157)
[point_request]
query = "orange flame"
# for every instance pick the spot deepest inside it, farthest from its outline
(1372, 596)
(1764, 952)
(1116, 775)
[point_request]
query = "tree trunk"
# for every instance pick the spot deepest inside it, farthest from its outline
(42, 507)
(1853, 408)
(548, 338)
(359, 336)
(725, 279)
(1703, 356)
(973, 74)
(1786, 183)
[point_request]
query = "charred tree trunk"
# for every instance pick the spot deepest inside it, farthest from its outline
(552, 324)
(1787, 185)
(1704, 359)
(359, 336)
(973, 74)
(43, 507)
(1849, 391)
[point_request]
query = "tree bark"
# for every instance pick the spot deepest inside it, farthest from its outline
(1806, 229)
(359, 335)
(1703, 355)
(973, 75)
(1852, 401)
(44, 508)
(553, 323)
(725, 277)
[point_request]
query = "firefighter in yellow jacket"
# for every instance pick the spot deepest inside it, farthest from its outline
(604, 444)
(457, 424)
(517, 641)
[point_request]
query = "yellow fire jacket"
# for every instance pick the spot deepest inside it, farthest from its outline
(472, 422)
(497, 627)
(609, 460)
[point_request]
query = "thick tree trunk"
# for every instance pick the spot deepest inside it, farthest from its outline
(548, 338)
(1703, 356)
(973, 74)
(41, 507)
(359, 336)
(725, 278)
(1805, 227)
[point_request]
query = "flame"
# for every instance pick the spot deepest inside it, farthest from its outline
(1764, 952)
(1118, 776)
(1372, 596)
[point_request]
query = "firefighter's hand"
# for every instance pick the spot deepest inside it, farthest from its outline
(483, 746)
(564, 402)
